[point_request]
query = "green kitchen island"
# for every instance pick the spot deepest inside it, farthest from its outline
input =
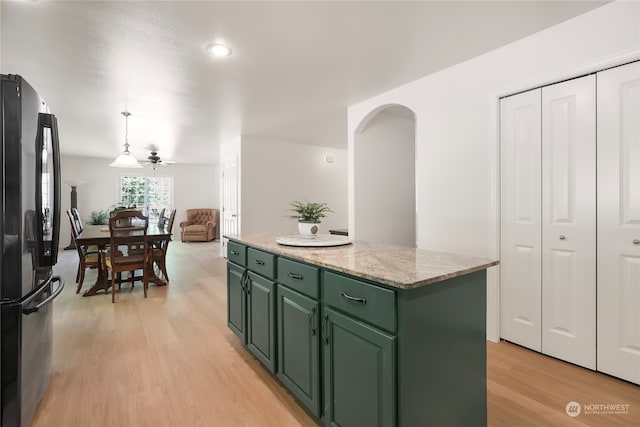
(365, 334)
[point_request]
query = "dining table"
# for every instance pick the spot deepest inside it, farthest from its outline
(99, 235)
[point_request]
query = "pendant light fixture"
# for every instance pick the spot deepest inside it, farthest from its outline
(126, 160)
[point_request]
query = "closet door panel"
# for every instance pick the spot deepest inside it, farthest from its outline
(520, 271)
(619, 222)
(569, 221)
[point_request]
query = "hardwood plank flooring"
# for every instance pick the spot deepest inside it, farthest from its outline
(170, 360)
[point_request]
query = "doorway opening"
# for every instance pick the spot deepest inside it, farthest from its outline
(385, 177)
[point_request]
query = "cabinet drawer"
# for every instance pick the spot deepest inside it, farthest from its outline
(237, 253)
(370, 303)
(299, 276)
(261, 262)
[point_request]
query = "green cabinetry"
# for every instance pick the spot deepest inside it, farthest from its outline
(237, 301)
(359, 373)
(261, 319)
(356, 352)
(251, 301)
(298, 346)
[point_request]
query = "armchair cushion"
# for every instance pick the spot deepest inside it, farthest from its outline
(200, 225)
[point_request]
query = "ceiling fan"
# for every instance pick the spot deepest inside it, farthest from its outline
(154, 160)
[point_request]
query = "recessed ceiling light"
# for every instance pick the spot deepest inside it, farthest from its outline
(218, 49)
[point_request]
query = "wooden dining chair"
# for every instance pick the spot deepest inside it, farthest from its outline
(128, 247)
(77, 220)
(80, 228)
(86, 258)
(159, 253)
(161, 218)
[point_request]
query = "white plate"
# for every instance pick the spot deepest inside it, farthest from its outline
(317, 241)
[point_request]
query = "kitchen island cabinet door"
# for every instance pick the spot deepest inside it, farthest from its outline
(237, 301)
(261, 319)
(359, 373)
(298, 346)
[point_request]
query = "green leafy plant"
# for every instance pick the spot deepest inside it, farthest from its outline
(120, 207)
(98, 217)
(308, 212)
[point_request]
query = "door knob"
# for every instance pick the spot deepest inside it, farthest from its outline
(636, 241)
(563, 237)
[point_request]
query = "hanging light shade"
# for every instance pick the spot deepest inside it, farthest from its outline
(126, 160)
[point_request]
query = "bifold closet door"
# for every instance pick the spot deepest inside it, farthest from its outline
(569, 221)
(619, 222)
(520, 269)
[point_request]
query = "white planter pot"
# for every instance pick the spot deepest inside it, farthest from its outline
(308, 230)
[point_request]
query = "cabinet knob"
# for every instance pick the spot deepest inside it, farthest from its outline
(636, 241)
(563, 237)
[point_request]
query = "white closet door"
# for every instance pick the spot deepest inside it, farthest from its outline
(569, 221)
(619, 222)
(520, 271)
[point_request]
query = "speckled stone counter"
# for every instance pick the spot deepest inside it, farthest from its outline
(396, 266)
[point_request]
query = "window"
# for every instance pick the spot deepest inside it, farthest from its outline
(150, 194)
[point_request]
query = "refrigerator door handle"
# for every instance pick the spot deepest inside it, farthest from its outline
(54, 295)
(47, 224)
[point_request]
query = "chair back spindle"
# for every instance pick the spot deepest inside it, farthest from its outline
(77, 220)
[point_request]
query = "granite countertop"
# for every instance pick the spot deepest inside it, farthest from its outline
(396, 266)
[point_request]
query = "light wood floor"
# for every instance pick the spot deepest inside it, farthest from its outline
(170, 360)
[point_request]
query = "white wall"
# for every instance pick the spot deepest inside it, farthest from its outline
(457, 121)
(274, 173)
(194, 186)
(384, 171)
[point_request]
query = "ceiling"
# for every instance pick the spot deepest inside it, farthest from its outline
(295, 66)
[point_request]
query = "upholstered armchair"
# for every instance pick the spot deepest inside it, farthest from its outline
(200, 225)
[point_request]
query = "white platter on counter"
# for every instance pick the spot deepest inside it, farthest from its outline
(316, 241)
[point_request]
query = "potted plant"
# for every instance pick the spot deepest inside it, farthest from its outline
(308, 216)
(99, 217)
(120, 207)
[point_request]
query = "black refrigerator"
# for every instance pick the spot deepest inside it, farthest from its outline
(30, 229)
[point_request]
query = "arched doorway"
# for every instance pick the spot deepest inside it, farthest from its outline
(385, 177)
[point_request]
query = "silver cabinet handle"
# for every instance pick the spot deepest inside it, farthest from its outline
(295, 276)
(636, 241)
(235, 253)
(563, 237)
(325, 330)
(244, 281)
(353, 299)
(259, 262)
(312, 316)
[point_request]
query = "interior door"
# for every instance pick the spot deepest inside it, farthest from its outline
(520, 247)
(569, 221)
(619, 222)
(230, 195)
